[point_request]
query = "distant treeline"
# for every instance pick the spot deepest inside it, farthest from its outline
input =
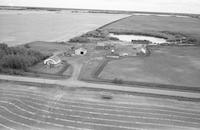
(100, 35)
(14, 60)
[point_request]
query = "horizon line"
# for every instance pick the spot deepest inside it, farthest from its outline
(127, 11)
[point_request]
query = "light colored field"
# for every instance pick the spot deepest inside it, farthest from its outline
(19, 28)
(169, 65)
(29, 107)
(47, 47)
(149, 24)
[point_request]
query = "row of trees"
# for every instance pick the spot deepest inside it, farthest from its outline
(18, 58)
(100, 35)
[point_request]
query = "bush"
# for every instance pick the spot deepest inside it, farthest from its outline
(14, 62)
(27, 46)
(118, 81)
(96, 34)
(114, 38)
(3, 46)
(191, 41)
(80, 39)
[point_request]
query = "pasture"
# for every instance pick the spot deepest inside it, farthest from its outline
(151, 24)
(20, 27)
(28, 107)
(166, 65)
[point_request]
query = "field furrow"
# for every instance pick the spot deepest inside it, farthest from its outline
(104, 105)
(26, 109)
(76, 105)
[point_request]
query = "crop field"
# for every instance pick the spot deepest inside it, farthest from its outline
(154, 24)
(166, 65)
(19, 27)
(28, 107)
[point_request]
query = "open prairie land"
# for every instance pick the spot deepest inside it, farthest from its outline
(28, 107)
(26, 26)
(155, 24)
(168, 65)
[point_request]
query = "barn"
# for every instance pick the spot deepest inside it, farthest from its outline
(80, 51)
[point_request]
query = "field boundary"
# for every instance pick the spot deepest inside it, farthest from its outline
(113, 22)
(100, 68)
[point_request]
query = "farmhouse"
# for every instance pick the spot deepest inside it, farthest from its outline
(80, 51)
(54, 60)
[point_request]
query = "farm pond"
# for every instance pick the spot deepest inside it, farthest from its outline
(128, 38)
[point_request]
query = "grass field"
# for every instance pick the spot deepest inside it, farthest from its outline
(168, 65)
(19, 27)
(155, 24)
(47, 47)
(29, 107)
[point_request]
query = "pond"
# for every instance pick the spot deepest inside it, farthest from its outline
(129, 38)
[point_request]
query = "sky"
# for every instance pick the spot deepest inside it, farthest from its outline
(178, 6)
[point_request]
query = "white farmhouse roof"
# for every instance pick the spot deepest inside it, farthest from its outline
(81, 49)
(52, 60)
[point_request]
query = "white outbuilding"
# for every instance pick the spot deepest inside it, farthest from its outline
(80, 51)
(54, 60)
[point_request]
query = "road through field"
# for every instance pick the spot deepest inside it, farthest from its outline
(76, 83)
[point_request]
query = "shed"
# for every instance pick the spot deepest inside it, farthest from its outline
(143, 50)
(80, 51)
(54, 60)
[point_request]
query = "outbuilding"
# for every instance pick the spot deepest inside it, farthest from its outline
(143, 50)
(54, 60)
(80, 51)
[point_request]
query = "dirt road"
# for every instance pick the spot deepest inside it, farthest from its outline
(72, 82)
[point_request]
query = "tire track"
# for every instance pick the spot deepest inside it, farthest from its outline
(155, 107)
(129, 111)
(5, 127)
(62, 121)
(36, 107)
(14, 123)
(108, 114)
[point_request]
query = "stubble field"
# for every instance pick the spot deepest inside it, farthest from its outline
(29, 107)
